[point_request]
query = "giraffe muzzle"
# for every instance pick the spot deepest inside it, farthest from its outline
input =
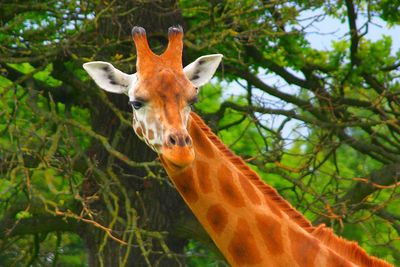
(181, 140)
(178, 149)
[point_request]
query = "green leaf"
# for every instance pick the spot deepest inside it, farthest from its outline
(23, 215)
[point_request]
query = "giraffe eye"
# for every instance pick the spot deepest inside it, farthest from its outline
(136, 104)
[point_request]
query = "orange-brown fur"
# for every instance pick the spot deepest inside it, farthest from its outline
(344, 252)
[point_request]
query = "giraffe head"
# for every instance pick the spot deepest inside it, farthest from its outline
(160, 93)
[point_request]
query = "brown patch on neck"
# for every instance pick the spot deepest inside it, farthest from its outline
(217, 217)
(203, 176)
(228, 188)
(303, 248)
(185, 184)
(271, 232)
(243, 247)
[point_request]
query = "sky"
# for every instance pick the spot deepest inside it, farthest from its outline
(329, 29)
(323, 33)
(320, 36)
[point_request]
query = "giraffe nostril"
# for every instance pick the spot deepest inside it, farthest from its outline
(188, 140)
(172, 140)
(181, 140)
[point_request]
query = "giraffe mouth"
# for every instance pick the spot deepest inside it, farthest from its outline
(178, 157)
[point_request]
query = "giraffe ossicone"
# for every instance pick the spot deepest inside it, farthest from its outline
(248, 220)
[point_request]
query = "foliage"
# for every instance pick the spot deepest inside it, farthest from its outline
(320, 125)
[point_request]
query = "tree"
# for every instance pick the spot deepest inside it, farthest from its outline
(73, 176)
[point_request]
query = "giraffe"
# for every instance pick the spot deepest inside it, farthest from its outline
(250, 223)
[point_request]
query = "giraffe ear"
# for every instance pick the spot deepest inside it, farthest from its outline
(108, 78)
(202, 69)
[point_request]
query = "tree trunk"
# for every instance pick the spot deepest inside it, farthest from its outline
(145, 206)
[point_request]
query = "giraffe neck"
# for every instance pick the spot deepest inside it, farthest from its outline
(249, 222)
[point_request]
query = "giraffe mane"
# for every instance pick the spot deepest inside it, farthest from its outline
(345, 248)
(348, 249)
(269, 191)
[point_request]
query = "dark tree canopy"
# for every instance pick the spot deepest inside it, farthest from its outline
(322, 126)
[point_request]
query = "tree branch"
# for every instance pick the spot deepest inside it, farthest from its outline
(374, 151)
(352, 17)
(355, 197)
(39, 223)
(257, 82)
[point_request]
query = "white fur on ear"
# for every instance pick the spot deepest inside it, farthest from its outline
(108, 78)
(202, 69)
